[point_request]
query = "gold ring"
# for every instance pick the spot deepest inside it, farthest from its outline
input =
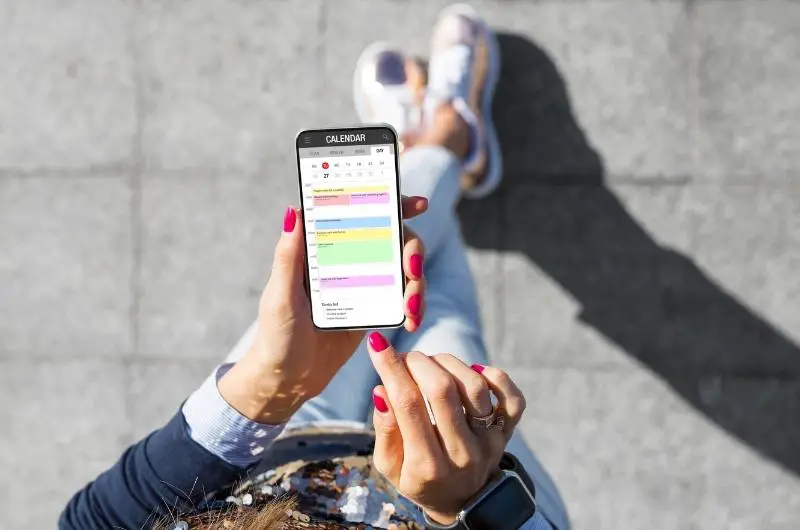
(494, 421)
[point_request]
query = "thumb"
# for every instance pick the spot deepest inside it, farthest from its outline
(388, 454)
(287, 265)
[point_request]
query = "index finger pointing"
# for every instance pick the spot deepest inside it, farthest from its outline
(407, 402)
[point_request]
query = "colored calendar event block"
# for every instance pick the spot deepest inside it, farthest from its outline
(355, 195)
(358, 234)
(331, 200)
(353, 222)
(369, 198)
(355, 252)
(347, 190)
(357, 281)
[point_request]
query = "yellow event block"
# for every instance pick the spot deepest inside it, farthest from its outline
(357, 234)
(350, 190)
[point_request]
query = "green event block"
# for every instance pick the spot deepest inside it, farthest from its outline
(347, 253)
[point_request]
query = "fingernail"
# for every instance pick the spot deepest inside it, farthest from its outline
(416, 265)
(415, 320)
(380, 403)
(377, 341)
(289, 220)
(415, 304)
(478, 368)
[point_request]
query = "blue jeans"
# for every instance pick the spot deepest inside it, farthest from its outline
(451, 322)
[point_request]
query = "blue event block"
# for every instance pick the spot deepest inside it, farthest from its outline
(353, 222)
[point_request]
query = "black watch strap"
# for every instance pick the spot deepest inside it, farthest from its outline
(510, 462)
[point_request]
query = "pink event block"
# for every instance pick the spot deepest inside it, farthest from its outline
(369, 198)
(332, 200)
(357, 281)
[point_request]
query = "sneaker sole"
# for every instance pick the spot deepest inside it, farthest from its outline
(494, 172)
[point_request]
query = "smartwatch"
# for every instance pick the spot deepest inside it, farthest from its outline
(505, 503)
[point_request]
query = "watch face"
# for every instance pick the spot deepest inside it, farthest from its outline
(507, 506)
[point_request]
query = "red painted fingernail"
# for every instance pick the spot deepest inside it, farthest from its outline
(415, 304)
(416, 265)
(415, 320)
(289, 220)
(478, 368)
(380, 403)
(377, 341)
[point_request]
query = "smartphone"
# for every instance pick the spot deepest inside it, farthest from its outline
(350, 195)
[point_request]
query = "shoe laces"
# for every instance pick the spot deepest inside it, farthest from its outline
(450, 71)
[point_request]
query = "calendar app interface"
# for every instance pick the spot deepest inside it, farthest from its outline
(351, 208)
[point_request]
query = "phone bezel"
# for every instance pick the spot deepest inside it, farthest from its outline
(401, 243)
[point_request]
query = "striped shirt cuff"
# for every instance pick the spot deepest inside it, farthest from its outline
(221, 429)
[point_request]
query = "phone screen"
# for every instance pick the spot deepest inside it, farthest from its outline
(350, 195)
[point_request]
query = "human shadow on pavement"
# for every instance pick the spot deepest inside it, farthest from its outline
(653, 302)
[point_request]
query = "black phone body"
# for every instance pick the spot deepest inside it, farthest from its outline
(349, 180)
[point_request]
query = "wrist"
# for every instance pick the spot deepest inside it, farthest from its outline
(447, 518)
(258, 393)
(489, 509)
(441, 518)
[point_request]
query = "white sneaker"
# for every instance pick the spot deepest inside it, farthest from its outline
(389, 87)
(463, 70)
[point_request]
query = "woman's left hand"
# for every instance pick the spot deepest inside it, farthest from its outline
(440, 467)
(291, 361)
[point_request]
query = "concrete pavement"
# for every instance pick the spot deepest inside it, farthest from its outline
(637, 269)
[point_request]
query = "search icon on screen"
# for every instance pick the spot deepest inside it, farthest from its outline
(386, 137)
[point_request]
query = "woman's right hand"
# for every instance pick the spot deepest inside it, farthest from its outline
(439, 467)
(290, 361)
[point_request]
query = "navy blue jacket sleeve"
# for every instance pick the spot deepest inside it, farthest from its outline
(166, 472)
